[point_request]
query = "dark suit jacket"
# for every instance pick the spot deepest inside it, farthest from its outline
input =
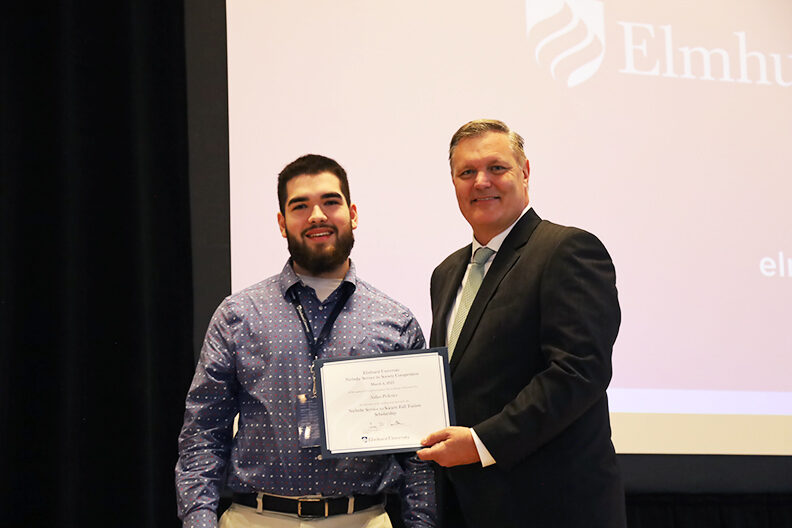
(529, 374)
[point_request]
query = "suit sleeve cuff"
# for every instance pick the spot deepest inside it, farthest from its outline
(484, 454)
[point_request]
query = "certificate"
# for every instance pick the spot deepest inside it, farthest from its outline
(382, 404)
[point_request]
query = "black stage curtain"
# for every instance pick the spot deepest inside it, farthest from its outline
(96, 303)
(709, 511)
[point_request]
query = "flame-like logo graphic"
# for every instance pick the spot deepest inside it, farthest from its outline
(569, 35)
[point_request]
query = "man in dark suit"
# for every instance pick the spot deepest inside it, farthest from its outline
(530, 348)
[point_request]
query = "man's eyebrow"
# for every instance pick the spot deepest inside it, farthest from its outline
(325, 196)
(297, 199)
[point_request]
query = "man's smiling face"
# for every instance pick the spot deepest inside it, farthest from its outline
(490, 182)
(318, 224)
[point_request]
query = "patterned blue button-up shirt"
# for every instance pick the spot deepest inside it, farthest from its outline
(255, 360)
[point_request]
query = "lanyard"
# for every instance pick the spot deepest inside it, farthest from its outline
(315, 344)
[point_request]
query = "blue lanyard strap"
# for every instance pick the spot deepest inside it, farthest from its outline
(315, 344)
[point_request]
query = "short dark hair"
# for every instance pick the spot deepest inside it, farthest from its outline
(482, 126)
(310, 164)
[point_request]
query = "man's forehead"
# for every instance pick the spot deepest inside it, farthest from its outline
(321, 183)
(484, 147)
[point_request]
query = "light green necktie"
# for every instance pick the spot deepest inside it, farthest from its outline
(469, 290)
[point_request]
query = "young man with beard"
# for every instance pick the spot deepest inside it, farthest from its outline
(256, 361)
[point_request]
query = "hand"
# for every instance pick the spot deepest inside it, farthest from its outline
(452, 446)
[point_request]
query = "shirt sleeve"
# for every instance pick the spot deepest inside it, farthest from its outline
(412, 334)
(417, 493)
(483, 452)
(205, 439)
(200, 519)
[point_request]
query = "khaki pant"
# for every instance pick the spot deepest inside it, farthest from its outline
(238, 516)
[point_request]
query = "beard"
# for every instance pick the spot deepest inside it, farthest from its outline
(318, 260)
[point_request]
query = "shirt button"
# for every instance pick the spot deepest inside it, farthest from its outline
(321, 308)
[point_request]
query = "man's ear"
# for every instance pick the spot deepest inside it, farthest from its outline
(282, 224)
(353, 216)
(526, 172)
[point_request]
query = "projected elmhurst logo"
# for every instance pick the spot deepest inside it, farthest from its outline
(569, 40)
(571, 37)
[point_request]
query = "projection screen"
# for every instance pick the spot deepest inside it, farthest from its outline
(662, 127)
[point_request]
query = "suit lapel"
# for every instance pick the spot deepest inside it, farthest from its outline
(447, 296)
(505, 259)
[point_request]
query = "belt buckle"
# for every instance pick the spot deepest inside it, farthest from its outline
(300, 503)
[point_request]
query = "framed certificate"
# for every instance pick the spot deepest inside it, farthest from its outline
(382, 404)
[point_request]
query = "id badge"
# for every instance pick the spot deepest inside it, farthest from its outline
(308, 420)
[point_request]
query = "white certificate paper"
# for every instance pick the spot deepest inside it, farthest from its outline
(383, 404)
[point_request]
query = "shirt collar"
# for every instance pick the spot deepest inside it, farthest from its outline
(288, 278)
(498, 239)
